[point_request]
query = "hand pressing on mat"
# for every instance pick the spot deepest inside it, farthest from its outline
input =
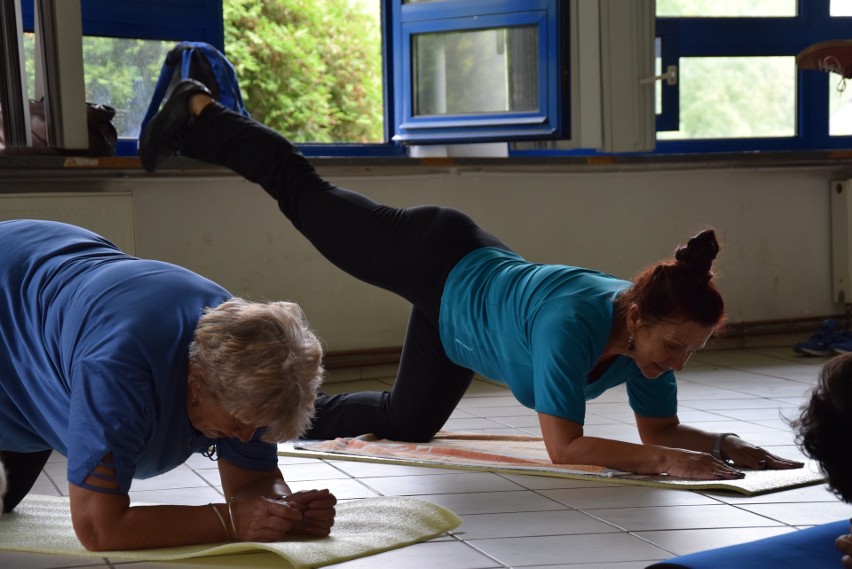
(719, 455)
(668, 447)
(699, 466)
(317, 508)
(727, 453)
(743, 454)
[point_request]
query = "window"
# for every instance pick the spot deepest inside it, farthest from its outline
(729, 80)
(310, 69)
(564, 74)
(124, 46)
(529, 73)
(478, 70)
(738, 87)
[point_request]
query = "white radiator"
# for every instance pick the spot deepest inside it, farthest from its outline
(107, 214)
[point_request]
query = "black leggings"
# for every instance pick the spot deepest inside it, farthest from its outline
(22, 470)
(407, 251)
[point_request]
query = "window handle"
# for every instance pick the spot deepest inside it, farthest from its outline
(670, 76)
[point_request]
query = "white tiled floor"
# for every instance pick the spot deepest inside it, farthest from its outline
(538, 522)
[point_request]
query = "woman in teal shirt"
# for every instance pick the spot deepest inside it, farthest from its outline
(556, 335)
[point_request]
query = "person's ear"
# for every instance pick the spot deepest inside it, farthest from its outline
(634, 318)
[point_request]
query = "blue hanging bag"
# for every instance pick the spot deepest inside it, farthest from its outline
(202, 62)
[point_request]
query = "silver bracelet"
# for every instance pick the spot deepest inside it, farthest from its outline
(717, 445)
(231, 515)
(221, 520)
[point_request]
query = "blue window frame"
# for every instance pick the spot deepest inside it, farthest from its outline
(166, 20)
(178, 20)
(520, 93)
(404, 22)
(755, 37)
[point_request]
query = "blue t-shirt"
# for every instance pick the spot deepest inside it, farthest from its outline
(541, 329)
(94, 351)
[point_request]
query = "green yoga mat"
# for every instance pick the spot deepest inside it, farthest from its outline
(513, 454)
(42, 524)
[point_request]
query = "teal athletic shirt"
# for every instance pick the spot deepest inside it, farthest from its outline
(540, 329)
(94, 352)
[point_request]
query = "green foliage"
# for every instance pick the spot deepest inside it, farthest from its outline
(117, 72)
(311, 70)
(737, 97)
(122, 73)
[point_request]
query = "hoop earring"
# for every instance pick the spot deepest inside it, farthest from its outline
(631, 343)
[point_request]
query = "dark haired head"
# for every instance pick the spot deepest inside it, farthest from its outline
(699, 253)
(825, 425)
(680, 288)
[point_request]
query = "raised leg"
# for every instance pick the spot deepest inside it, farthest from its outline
(407, 251)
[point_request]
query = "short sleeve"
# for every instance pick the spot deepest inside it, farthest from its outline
(562, 358)
(653, 397)
(110, 414)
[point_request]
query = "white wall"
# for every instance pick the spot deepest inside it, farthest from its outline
(774, 222)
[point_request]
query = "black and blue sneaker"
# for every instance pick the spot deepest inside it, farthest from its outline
(825, 341)
(166, 133)
(843, 345)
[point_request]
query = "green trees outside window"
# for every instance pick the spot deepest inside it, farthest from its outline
(309, 69)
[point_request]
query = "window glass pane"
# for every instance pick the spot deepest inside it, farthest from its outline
(839, 108)
(658, 70)
(841, 7)
(29, 62)
(736, 97)
(726, 8)
(120, 73)
(481, 71)
(311, 70)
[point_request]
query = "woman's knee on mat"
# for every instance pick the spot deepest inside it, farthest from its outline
(412, 429)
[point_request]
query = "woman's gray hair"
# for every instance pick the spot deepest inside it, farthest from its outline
(261, 362)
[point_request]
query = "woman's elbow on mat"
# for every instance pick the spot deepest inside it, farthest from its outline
(96, 518)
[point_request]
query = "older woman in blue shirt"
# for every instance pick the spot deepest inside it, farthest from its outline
(128, 366)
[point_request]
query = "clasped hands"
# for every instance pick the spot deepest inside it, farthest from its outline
(306, 513)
